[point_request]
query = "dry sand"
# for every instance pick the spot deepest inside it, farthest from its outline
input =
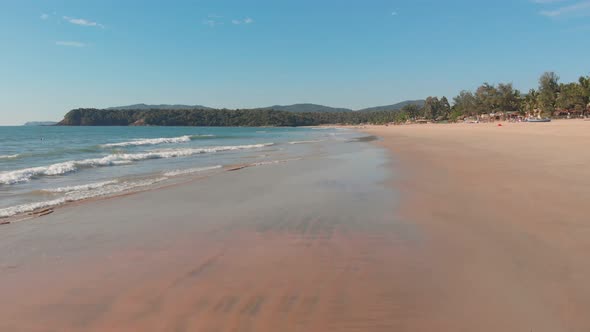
(507, 218)
(483, 228)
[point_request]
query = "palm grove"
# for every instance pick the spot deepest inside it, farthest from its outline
(551, 98)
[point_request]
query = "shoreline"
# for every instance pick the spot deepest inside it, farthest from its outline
(174, 180)
(265, 249)
(49, 205)
(431, 227)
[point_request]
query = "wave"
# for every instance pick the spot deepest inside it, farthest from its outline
(78, 195)
(156, 141)
(80, 187)
(24, 175)
(9, 156)
(191, 170)
(306, 142)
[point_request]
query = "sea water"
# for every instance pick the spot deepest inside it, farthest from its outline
(48, 166)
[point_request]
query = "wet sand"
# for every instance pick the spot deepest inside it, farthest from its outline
(461, 228)
(309, 245)
(505, 212)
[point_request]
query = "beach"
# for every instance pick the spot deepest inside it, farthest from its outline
(504, 210)
(432, 228)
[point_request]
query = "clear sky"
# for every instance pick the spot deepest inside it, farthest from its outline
(60, 55)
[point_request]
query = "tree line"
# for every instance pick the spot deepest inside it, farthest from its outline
(549, 99)
(220, 118)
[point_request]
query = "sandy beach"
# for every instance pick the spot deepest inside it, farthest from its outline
(433, 228)
(504, 212)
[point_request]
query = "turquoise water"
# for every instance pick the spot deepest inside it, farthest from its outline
(47, 166)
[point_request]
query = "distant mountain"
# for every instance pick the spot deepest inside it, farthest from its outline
(41, 123)
(307, 108)
(394, 107)
(159, 107)
(296, 108)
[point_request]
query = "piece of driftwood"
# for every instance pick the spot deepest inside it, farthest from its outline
(236, 168)
(41, 213)
(45, 213)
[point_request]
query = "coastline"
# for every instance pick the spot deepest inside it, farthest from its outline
(283, 247)
(115, 160)
(440, 227)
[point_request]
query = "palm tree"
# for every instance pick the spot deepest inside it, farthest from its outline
(531, 103)
(585, 83)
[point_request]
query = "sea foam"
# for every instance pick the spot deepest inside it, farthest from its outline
(305, 142)
(155, 141)
(274, 162)
(24, 175)
(9, 156)
(191, 170)
(88, 186)
(81, 193)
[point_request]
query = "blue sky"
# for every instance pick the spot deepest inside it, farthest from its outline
(59, 55)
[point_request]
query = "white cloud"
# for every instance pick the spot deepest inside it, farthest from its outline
(44, 16)
(247, 20)
(82, 22)
(393, 13)
(70, 43)
(580, 8)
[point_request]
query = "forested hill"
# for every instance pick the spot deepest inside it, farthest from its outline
(221, 118)
(308, 108)
(295, 108)
(158, 107)
(551, 99)
(395, 107)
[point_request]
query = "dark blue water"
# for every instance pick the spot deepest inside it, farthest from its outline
(46, 166)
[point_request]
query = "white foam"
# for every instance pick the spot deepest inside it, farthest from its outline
(306, 142)
(155, 141)
(9, 156)
(14, 210)
(274, 162)
(80, 194)
(24, 175)
(80, 187)
(191, 170)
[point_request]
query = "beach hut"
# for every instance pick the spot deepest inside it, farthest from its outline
(568, 114)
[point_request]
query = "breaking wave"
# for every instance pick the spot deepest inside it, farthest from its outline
(156, 141)
(191, 170)
(9, 156)
(89, 186)
(24, 175)
(80, 194)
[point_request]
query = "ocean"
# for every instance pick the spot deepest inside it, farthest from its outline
(42, 167)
